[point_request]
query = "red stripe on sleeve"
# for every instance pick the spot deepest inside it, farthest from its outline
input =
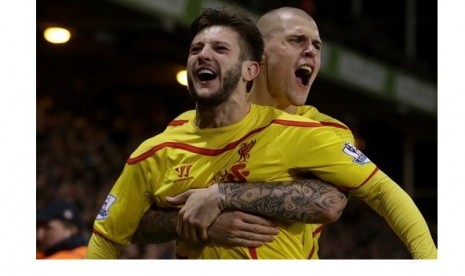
(297, 123)
(318, 230)
(253, 253)
(311, 253)
(335, 125)
(96, 232)
(369, 177)
(178, 122)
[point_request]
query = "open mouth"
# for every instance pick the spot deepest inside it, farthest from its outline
(304, 73)
(206, 75)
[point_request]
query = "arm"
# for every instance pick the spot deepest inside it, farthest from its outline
(398, 209)
(320, 202)
(101, 248)
(231, 228)
(158, 225)
(308, 201)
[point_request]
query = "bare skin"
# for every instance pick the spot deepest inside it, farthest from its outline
(306, 201)
(300, 201)
(231, 228)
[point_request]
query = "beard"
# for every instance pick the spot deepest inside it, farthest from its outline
(230, 82)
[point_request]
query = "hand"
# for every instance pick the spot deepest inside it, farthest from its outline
(241, 229)
(201, 208)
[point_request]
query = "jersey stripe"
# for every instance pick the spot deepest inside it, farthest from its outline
(369, 177)
(215, 152)
(318, 230)
(178, 122)
(296, 123)
(253, 253)
(314, 233)
(345, 189)
(310, 255)
(95, 231)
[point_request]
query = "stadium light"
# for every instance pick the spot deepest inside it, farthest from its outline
(181, 77)
(57, 35)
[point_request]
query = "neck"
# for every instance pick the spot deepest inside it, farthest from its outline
(230, 112)
(261, 95)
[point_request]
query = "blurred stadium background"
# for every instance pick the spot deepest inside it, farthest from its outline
(113, 84)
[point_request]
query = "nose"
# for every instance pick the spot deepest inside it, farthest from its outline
(310, 50)
(205, 54)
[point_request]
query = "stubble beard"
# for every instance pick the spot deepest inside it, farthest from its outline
(230, 81)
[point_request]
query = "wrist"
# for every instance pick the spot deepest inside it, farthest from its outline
(222, 191)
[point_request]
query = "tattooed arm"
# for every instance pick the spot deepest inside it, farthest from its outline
(158, 225)
(309, 201)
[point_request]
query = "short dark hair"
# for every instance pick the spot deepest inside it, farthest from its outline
(251, 41)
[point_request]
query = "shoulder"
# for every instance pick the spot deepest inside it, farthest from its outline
(279, 117)
(314, 114)
(149, 147)
(182, 118)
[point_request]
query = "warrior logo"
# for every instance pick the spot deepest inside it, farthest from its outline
(358, 156)
(244, 151)
(183, 171)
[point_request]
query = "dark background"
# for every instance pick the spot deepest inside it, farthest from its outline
(113, 85)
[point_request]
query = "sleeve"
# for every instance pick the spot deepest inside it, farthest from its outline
(398, 209)
(340, 163)
(319, 151)
(125, 205)
(101, 248)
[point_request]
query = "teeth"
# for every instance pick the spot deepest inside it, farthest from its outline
(308, 68)
(206, 75)
(206, 71)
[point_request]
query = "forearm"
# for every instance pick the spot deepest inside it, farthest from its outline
(157, 226)
(401, 213)
(304, 200)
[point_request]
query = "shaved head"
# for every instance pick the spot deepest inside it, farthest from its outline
(272, 21)
(291, 61)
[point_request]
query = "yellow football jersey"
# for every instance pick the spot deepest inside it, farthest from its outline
(313, 230)
(267, 145)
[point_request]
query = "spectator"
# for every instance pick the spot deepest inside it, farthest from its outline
(59, 236)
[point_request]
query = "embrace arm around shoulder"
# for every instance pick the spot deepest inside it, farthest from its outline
(391, 202)
(101, 248)
(300, 200)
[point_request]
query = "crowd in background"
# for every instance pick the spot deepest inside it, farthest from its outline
(81, 154)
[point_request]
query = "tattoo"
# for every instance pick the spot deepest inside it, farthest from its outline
(304, 200)
(158, 225)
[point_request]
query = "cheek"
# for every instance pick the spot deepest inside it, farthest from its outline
(57, 235)
(318, 61)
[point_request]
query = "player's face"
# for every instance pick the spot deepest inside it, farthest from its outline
(293, 59)
(51, 233)
(214, 65)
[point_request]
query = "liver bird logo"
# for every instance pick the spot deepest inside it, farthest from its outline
(244, 151)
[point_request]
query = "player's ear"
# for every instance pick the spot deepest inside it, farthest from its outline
(250, 70)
